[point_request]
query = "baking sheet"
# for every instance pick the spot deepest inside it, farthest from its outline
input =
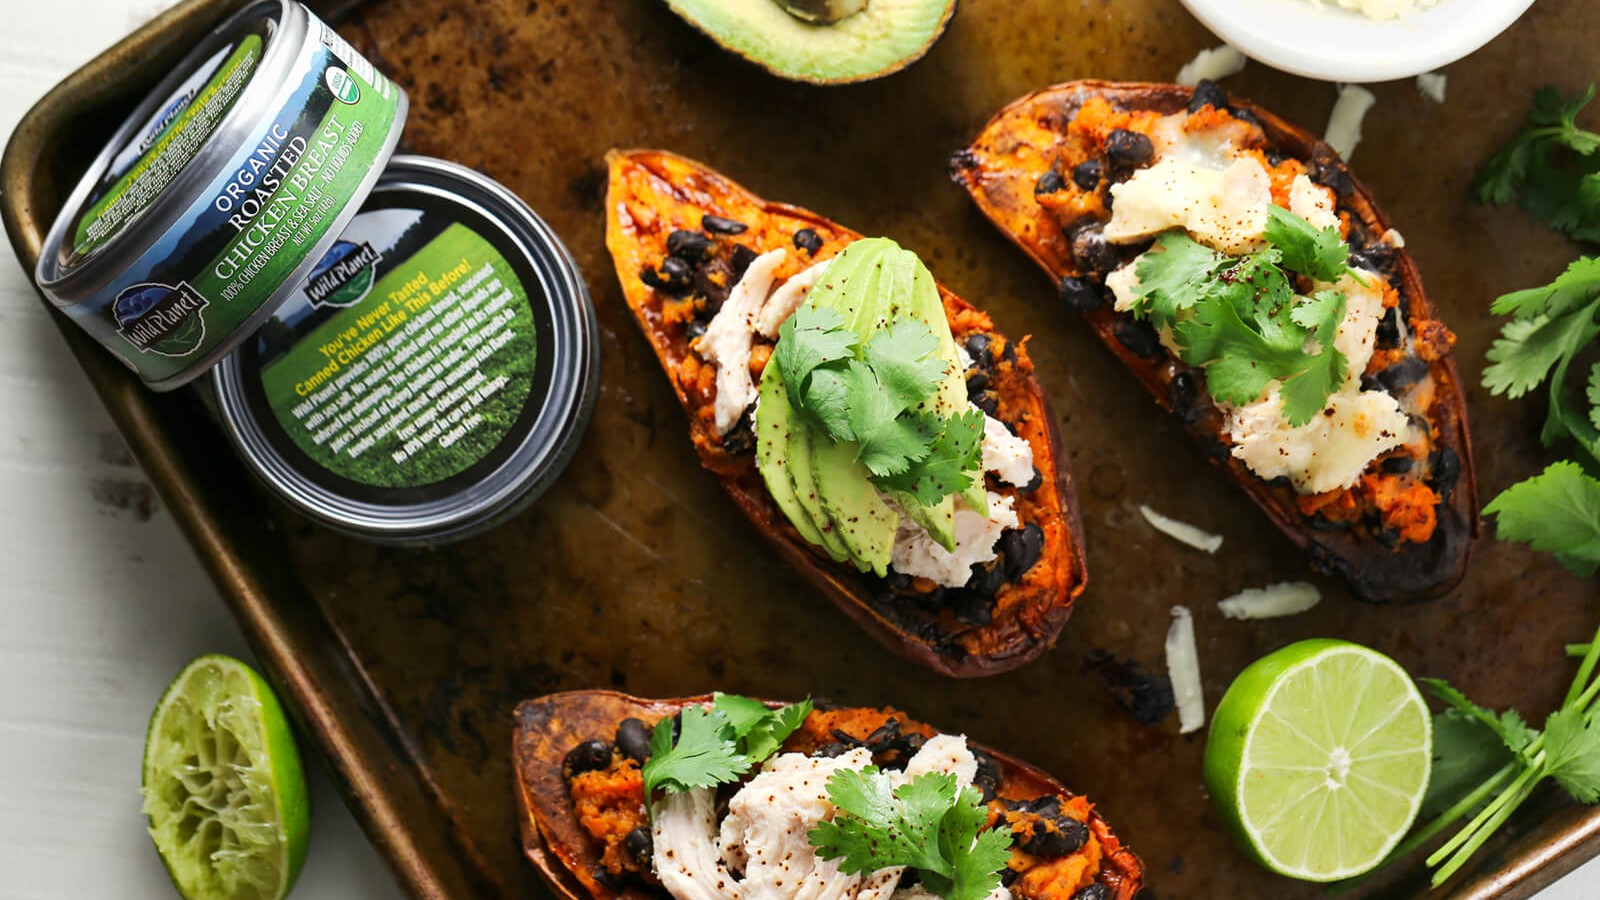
(636, 573)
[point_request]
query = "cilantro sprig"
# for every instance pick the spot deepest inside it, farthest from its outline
(879, 394)
(1550, 327)
(926, 824)
(717, 745)
(1240, 318)
(1488, 764)
(1551, 168)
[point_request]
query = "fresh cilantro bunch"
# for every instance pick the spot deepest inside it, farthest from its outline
(717, 745)
(1550, 168)
(1240, 318)
(925, 824)
(879, 395)
(1487, 764)
(1559, 510)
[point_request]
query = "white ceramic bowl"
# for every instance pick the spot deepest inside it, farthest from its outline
(1335, 44)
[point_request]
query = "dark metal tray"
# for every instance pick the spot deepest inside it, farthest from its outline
(636, 573)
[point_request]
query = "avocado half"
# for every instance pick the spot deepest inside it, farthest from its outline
(882, 37)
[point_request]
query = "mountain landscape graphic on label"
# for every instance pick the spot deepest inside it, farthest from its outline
(160, 318)
(344, 275)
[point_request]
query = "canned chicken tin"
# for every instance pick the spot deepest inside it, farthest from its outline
(432, 375)
(221, 191)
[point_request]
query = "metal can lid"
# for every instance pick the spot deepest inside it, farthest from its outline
(433, 374)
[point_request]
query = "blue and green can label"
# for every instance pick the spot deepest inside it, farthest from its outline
(262, 223)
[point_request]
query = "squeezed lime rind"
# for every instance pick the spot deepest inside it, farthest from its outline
(224, 791)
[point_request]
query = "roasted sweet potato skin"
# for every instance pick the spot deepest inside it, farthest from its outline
(557, 845)
(1001, 169)
(652, 193)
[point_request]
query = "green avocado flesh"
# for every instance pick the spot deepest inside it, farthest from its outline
(819, 485)
(884, 37)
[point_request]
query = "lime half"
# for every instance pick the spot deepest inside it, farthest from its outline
(1318, 758)
(223, 788)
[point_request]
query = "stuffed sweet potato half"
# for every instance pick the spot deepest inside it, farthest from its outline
(583, 759)
(966, 558)
(1238, 269)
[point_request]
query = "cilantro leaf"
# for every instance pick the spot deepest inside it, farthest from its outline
(827, 403)
(1239, 360)
(1173, 276)
(1466, 752)
(1572, 752)
(949, 466)
(1557, 511)
(1551, 167)
(768, 735)
(1592, 394)
(925, 824)
(1317, 252)
(743, 713)
(1572, 290)
(703, 756)
(813, 336)
(1526, 350)
(905, 358)
(1514, 734)
(886, 442)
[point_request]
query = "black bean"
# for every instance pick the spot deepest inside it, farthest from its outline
(1398, 465)
(831, 750)
(911, 743)
(633, 739)
(1048, 805)
(883, 736)
(742, 439)
(690, 245)
(1060, 837)
(972, 608)
(989, 776)
(1245, 115)
(987, 578)
(1129, 149)
(1137, 336)
(1445, 466)
(977, 382)
(607, 880)
(653, 279)
(1389, 329)
(808, 240)
(1093, 892)
(898, 580)
(1406, 372)
(988, 401)
(1022, 548)
(929, 600)
(640, 846)
(1184, 393)
(589, 756)
(714, 289)
(1033, 483)
(742, 258)
(1208, 93)
(1374, 257)
(1008, 876)
(695, 328)
(677, 273)
(1332, 173)
(1049, 183)
(1080, 295)
(1091, 251)
(1009, 354)
(978, 349)
(1086, 175)
(719, 225)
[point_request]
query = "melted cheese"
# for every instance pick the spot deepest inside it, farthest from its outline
(1225, 210)
(1326, 454)
(1312, 202)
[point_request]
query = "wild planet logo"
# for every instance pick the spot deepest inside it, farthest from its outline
(159, 318)
(344, 275)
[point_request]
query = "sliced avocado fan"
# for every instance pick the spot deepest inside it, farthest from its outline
(822, 41)
(819, 485)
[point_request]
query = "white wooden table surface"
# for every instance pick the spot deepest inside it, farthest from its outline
(102, 601)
